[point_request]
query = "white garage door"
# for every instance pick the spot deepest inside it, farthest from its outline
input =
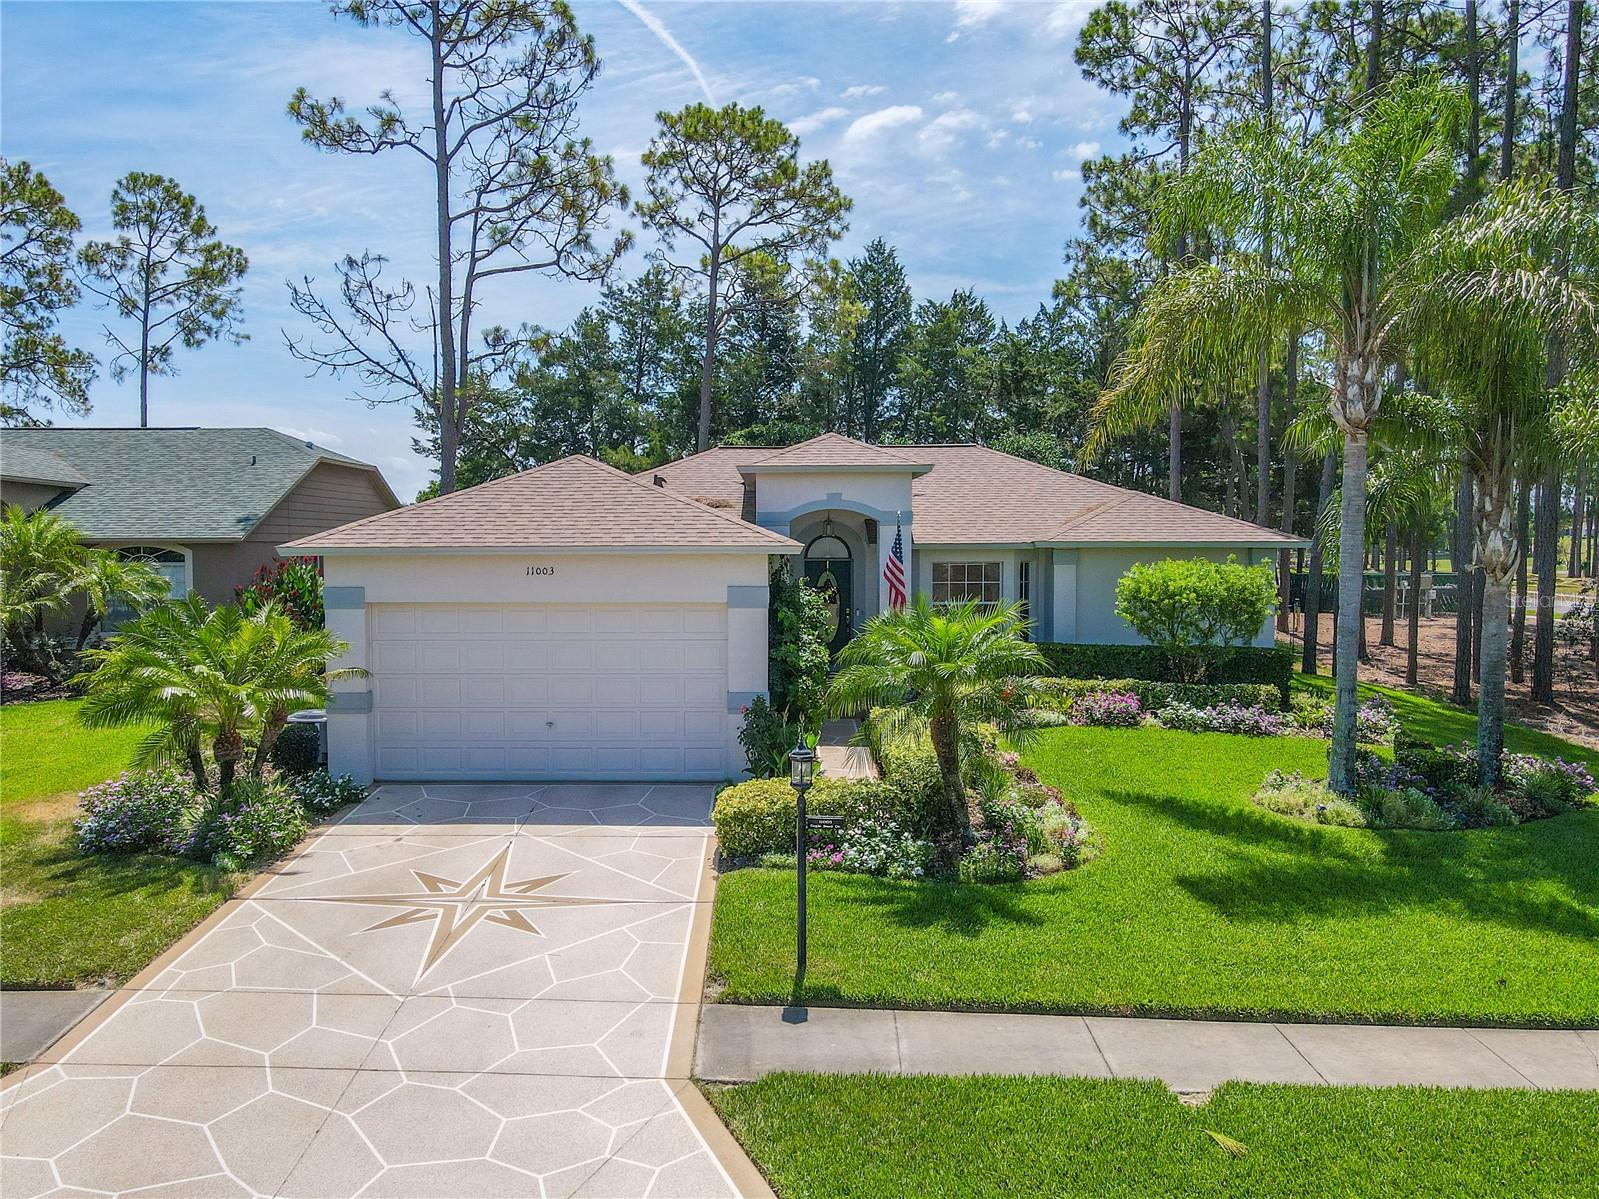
(554, 691)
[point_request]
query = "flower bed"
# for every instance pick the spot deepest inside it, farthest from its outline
(160, 811)
(1433, 790)
(1224, 718)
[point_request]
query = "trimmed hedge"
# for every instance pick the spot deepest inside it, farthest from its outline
(1272, 664)
(1058, 694)
(757, 816)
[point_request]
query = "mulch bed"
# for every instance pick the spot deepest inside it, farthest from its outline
(17, 687)
(1574, 714)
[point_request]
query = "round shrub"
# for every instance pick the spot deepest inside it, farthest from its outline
(298, 749)
(257, 820)
(757, 816)
(138, 810)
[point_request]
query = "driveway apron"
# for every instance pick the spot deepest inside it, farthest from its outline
(452, 991)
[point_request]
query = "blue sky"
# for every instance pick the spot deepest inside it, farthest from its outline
(958, 129)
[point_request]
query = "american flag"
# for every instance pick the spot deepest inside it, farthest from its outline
(894, 568)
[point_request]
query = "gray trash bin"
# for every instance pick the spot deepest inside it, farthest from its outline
(318, 717)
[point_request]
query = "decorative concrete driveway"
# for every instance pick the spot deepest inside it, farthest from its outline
(453, 991)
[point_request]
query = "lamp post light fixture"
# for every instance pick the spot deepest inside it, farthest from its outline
(801, 773)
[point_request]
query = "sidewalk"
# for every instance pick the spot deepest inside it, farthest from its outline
(740, 1044)
(839, 758)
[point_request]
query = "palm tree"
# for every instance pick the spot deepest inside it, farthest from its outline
(40, 557)
(1357, 214)
(206, 677)
(1516, 272)
(107, 579)
(950, 666)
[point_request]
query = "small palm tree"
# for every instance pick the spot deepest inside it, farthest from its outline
(200, 676)
(40, 557)
(950, 666)
(106, 579)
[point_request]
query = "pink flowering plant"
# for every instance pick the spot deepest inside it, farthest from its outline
(1224, 718)
(1107, 709)
(874, 846)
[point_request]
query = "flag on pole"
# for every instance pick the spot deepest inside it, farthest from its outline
(894, 568)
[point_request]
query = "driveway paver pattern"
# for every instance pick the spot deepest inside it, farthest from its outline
(452, 991)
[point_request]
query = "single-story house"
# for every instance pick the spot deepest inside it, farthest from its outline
(576, 622)
(206, 507)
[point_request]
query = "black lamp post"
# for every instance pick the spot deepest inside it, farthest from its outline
(801, 773)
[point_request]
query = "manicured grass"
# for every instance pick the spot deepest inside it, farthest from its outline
(1204, 904)
(1443, 723)
(71, 919)
(866, 1137)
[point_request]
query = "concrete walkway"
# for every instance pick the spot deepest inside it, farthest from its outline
(740, 1044)
(32, 1021)
(452, 991)
(838, 758)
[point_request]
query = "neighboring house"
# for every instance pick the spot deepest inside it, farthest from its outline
(206, 507)
(575, 622)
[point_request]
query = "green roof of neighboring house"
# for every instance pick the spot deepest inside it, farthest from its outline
(170, 484)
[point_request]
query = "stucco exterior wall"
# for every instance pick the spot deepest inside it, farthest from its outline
(1098, 571)
(27, 496)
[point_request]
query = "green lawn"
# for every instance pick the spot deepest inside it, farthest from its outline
(1203, 904)
(71, 919)
(866, 1137)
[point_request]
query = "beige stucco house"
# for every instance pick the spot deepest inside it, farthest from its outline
(575, 622)
(206, 507)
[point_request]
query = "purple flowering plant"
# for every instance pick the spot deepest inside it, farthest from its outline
(1107, 709)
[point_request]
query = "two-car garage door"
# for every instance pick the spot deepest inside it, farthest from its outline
(551, 691)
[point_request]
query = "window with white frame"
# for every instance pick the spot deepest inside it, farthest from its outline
(171, 564)
(1024, 595)
(957, 582)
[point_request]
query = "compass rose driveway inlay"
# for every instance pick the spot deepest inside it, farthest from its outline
(452, 991)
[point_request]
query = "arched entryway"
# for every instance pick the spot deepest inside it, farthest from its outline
(830, 568)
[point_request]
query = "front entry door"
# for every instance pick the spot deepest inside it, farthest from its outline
(828, 569)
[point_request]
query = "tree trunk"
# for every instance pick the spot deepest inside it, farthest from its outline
(1351, 556)
(270, 732)
(1308, 663)
(1460, 552)
(86, 626)
(1545, 553)
(1491, 680)
(1413, 616)
(449, 423)
(1390, 583)
(702, 435)
(1518, 612)
(1579, 496)
(196, 762)
(1474, 93)
(946, 746)
(1477, 585)
(1290, 483)
(227, 749)
(1507, 138)
(1174, 457)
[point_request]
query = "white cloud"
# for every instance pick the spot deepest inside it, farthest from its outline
(946, 129)
(321, 436)
(996, 138)
(1066, 175)
(1066, 19)
(883, 119)
(805, 83)
(1028, 143)
(862, 90)
(946, 97)
(1085, 150)
(816, 120)
(664, 36)
(1022, 116)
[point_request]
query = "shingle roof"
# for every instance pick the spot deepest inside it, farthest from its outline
(977, 496)
(174, 484)
(573, 502)
(35, 464)
(831, 450)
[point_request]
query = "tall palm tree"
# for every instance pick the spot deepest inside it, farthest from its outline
(1516, 271)
(214, 678)
(950, 666)
(1355, 210)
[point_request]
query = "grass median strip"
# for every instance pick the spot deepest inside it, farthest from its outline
(870, 1137)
